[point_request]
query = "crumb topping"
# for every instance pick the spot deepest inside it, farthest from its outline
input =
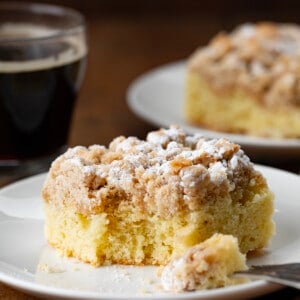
(166, 173)
(262, 58)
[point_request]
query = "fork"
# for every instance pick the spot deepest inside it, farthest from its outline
(285, 274)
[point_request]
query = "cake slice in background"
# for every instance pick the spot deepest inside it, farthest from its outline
(247, 81)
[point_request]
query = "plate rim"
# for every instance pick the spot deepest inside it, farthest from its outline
(254, 288)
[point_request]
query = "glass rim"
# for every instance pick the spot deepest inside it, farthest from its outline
(48, 9)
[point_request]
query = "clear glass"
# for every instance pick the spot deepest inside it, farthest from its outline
(42, 63)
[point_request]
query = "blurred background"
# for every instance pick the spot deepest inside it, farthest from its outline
(129, 37)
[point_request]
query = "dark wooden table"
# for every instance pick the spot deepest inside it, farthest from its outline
(124, 45)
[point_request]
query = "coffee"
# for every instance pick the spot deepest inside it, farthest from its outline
(39, 83)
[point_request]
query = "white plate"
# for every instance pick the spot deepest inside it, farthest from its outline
(158, 95)
(25, 258)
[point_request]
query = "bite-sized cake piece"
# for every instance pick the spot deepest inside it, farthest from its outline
(247, 81)
(205, 266)
(146, 201)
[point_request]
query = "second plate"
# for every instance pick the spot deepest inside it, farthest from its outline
(157, 97)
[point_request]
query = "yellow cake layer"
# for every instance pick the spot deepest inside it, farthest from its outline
(123, 235)
(237, 112)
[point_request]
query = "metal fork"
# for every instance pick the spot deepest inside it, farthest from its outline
(286, 274)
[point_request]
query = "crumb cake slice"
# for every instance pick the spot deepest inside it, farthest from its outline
(207, 265)
(247, 81)
(146, 201)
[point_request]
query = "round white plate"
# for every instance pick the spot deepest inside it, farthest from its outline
(28, 264)
(158, 96)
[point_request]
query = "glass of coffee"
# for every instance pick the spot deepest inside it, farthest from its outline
(42, 62)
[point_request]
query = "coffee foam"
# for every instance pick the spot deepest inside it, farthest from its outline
(16, 32)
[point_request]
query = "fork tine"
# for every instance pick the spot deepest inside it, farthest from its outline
(287, 274)
(290, 266)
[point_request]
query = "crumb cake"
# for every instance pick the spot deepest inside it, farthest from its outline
(207, 265)
(247, 81)
(144, 202)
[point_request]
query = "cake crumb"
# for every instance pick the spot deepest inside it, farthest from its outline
(49, 269)
(205, 266)
(144, 291)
